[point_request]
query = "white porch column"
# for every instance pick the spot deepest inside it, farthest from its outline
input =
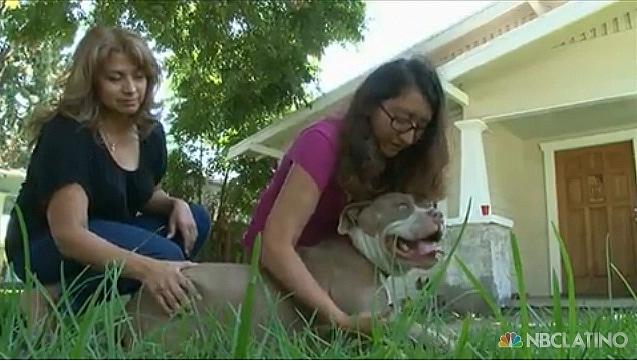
(486, 245)
(474, 180)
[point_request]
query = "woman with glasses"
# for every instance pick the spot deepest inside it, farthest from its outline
(392, 138)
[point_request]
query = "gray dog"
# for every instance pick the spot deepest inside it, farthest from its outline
(389, 236)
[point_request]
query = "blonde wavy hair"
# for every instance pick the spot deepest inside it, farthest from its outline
(79, 99)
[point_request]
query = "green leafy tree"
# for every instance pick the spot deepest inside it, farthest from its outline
(185, 179)
(233, 68)
(31, 56)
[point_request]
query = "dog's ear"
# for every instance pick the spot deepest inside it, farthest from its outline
(349, 216)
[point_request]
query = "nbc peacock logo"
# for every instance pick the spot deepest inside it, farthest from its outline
(510, 339)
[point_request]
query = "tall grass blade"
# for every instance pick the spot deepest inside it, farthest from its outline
(570, 282)
(25, 243)
(609, 275)
(557, 304)
(524, 302)
(442, 269)
(87, 323)
(28, 287)
(558, 324)
(245, 322)
(463, 338)
(110, 315)
(486, 295)
(624, 280)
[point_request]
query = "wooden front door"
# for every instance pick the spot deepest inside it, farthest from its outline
(596, 198)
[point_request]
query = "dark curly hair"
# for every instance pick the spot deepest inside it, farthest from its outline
(418, 170)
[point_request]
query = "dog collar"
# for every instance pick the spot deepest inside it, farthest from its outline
(372, 248)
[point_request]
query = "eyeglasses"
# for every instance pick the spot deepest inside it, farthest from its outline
(403, 125)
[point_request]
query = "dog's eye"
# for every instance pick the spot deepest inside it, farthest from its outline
(403, 207)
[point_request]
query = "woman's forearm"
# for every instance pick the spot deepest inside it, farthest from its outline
(160, 203)
(285, 264)
(88, 248)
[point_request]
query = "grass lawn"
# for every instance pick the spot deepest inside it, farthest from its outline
(95, 335)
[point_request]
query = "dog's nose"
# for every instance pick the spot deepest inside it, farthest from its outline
(437, 219)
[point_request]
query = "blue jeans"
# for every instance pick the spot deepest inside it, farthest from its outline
(145, 235)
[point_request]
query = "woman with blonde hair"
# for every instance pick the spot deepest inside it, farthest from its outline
(92, 194)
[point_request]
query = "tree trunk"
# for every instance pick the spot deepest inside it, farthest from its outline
(220, 211)
(201, 186)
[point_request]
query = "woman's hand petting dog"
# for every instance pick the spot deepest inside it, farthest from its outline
(168, 285)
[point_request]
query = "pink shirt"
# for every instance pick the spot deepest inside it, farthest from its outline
(316, 150)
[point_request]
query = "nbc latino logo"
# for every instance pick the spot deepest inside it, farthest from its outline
(510, 339)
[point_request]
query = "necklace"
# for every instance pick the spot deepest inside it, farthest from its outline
(112, 146)
(107, 141)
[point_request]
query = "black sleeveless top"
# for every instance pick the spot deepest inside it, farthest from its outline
(67, 152)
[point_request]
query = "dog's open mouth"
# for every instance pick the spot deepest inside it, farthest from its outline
(416, 251)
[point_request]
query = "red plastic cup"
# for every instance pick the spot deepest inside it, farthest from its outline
(485, 208)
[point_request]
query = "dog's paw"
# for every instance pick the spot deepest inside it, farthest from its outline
(422, 283)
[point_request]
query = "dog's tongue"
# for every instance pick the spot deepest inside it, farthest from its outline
(426, 247)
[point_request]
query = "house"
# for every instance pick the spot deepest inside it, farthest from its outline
(542, 101)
